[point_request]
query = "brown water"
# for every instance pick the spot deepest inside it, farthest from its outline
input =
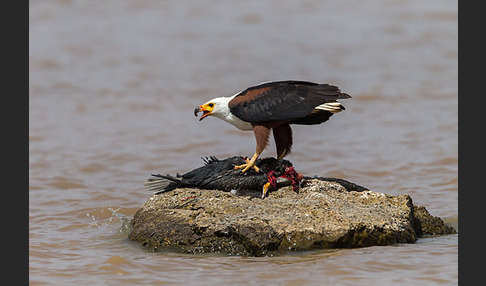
(113, 86)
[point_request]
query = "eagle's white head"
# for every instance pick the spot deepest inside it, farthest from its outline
(218, 107)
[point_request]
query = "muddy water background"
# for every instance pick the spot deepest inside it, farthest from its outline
(113, 86)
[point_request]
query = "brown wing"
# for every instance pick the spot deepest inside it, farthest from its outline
(282, 100)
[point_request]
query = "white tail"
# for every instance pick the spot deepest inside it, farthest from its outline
(333, 107)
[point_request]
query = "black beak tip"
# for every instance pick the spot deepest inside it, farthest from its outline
(196, 111)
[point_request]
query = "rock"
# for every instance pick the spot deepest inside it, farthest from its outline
(426, 224)
(323, 214)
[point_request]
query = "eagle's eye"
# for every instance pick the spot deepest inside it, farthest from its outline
(211, 104)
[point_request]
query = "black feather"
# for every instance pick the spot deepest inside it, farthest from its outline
(220, 175)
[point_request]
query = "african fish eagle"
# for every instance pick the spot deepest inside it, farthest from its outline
(275, 106)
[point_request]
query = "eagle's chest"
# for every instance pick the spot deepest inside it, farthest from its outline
(235, 121)
(238, 123)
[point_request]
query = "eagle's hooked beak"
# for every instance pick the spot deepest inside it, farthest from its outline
(206, 109)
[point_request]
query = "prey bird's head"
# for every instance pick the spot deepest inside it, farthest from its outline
(216, 107)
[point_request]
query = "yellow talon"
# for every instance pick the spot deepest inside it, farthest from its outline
(249, 164)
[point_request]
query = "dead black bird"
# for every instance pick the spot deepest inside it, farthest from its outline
(221, 175)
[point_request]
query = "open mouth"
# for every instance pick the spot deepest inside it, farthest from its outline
(204, 112)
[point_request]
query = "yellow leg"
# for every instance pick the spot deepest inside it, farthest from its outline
(249, 164)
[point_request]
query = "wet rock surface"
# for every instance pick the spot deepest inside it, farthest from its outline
(323, 214)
